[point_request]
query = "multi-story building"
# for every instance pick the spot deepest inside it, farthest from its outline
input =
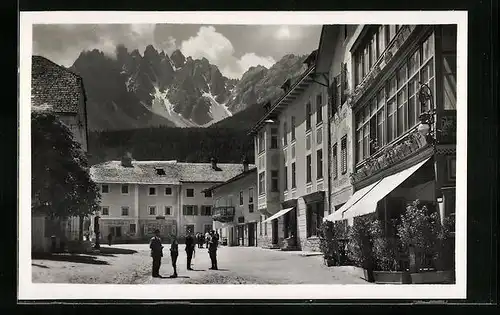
(138, 197)
(291, 157)
(403, 103)
(235, 213)
(57, 90)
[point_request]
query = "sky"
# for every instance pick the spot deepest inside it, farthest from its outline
(233, 48)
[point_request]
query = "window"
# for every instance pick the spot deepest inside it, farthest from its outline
(308, 168)
(168, 191)
(125, 189)
(294, 180)
(160, 171)
(285, 134)
(190, 192)
(206, 210)
(395, 108)
(208, 194)
(315, 213)
(207, 228)
(285, 182)
(293, 128)
(250, 195)
(274, 138)
(308, 116)
(167, 210)
(250, 207)
(125, 211)
(319, 108)
(319, 164)
(104, 189)
(132, 228)
(343, 155)
(334, 161)
(449, 66)
(241, 198)
(274, 181)
(261, 142)
(104, 210)
(190, 210)
(261, 183)
(152, 191)
(152, 210)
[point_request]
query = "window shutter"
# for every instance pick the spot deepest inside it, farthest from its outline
(195, 210)
(343, 83)
(333, 96)
(184, 210)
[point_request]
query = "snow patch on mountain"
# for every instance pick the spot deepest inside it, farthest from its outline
(162, 106)
(217, 111)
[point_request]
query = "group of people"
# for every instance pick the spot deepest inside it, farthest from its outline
(203, 239)
(155, 244)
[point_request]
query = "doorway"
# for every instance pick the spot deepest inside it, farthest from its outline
(241, 235)
(274, 226)
(251, 234)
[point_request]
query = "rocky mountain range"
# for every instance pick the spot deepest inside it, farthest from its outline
(152, 89)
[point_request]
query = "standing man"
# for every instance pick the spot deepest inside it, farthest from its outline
(189, 249)
(174, 253)
(156, 253)
(110, 238)
(212, 249)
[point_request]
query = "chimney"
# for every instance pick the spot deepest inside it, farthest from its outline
(286, 86)
(245, 164)
(214, 163)
(127, 160)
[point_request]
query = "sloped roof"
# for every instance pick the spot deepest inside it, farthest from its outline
(54, 87)
(233, 179)
(144, 172)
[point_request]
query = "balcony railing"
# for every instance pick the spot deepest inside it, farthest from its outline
(223, 214)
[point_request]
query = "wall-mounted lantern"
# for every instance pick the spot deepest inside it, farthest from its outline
(427, 113)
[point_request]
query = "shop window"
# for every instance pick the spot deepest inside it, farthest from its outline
(314, 219)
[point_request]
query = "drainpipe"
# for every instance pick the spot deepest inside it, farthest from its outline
(329, 158)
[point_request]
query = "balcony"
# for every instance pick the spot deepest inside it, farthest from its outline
(223, 214)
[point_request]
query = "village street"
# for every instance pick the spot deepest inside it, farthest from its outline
(131, 264)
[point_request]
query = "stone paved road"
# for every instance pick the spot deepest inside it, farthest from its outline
(237, 265)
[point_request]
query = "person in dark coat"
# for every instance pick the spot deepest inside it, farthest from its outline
(156, 253)
(213, 243)
(110, 238)
(174, 253)
(190, 245)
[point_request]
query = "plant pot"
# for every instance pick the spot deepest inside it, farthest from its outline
(433, 277)
(392, 277)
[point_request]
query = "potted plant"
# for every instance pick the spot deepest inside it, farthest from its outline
(419, 232)
(327, 242)
(360, 246)
(445, 251)
(385, 254)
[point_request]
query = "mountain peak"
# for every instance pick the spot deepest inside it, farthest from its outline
(178, 58)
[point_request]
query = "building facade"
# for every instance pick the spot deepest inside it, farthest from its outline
(403, 104)
(57, 90)
(139, 197)
(292, 164)
(235, 213)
